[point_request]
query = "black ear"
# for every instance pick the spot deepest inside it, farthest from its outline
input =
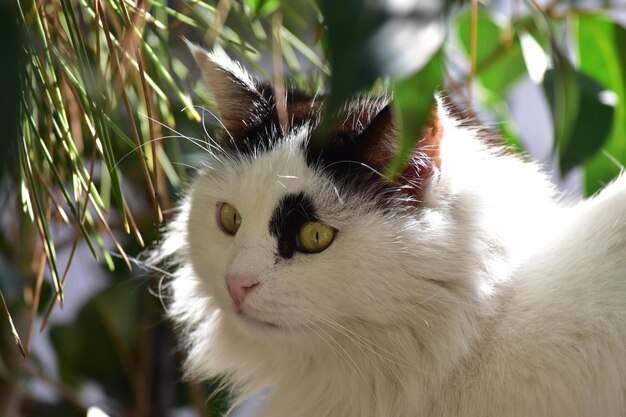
(364, 137)
(366, 141)
(379, 145)
(238, 99)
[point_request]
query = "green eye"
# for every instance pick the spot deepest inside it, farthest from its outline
(314, 237)
(229, 218)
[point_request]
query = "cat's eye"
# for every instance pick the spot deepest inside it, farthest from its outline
(229, 218)
(314, 237)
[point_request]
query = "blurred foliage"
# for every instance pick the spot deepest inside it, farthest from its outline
(108, 108)
(11, 47)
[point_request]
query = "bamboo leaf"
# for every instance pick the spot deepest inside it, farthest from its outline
(16, 336)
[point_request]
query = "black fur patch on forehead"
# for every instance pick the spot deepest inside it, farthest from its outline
(357, 151)
(291, 212)
(262, 132)
(348, 150)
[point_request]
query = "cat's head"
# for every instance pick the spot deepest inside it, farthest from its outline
(289, 240)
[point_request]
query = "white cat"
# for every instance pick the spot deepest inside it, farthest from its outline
(464, 288)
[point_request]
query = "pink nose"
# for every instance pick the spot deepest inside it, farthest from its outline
(239, 286)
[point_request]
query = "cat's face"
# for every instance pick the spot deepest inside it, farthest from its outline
(286, 236)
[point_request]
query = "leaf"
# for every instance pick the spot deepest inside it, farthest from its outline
(591, 128)
(16, 336)
(262, 7)
(534, 56)
(563, 95)
(370, 39)
(603, 57)
(585, 127)
(499, 59)
(412, 106)
(505, 124)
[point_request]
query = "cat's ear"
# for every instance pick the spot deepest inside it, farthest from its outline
(378, 144)
(366, 142)
(239, 102)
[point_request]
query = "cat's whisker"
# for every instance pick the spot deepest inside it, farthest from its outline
(368, 344)
(144, 264)
(205, 145)
(353, 337)
(346, 355)
(147, 266)
(429, 297)
(282, 185)
(364, 165)
(207, 166)
(209, 138)
(338, 195)
(182, 164)
(152, 119)
(217, 119)
(308, 324)
(195, 141)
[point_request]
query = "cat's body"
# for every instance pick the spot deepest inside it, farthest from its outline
(463, 289)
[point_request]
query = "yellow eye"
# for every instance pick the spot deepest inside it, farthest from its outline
(314, 237)
(229, 218)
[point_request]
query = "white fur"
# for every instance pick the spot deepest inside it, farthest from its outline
(492, 299)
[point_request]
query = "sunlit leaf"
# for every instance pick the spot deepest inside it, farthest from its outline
(534, 56)
(505, 125)
(370, 39)
(499, 60)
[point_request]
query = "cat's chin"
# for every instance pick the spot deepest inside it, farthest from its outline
(249, 320)
(256, 327)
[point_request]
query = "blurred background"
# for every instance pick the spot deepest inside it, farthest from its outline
(104, 117)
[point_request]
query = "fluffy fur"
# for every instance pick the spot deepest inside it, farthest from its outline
(488, 296)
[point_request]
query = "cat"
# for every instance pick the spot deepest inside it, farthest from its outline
(465, 287)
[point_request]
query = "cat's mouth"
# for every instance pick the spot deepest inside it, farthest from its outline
(242, 315)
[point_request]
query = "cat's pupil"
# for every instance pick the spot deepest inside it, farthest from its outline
(317, 236)
(234, 218)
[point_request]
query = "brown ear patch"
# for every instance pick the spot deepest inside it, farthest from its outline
(430, 143)
(426, 158)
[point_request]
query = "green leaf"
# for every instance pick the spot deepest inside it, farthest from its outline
(499, 59)
(412, 107)
(563, 95)
(505, 125)
(592, 126)
(370, 39)
(262, 7)
(602, 56)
